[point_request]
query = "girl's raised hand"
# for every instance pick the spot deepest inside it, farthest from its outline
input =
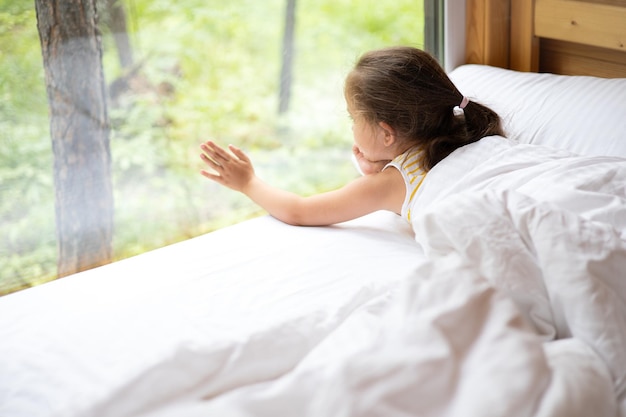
(232, 169)
(367, 167)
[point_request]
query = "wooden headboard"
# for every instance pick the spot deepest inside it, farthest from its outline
(573, 37)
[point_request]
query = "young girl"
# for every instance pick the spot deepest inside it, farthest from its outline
(403, 107)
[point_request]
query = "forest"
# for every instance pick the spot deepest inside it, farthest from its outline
(199, 70)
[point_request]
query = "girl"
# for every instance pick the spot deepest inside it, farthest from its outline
(403, 107)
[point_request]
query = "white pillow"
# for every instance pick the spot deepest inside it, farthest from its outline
(586, 115)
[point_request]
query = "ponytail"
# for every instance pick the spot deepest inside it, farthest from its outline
(474, 123)
(481, 121)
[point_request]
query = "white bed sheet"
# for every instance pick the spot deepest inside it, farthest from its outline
(237, 306)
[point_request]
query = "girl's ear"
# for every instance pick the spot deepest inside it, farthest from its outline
(389, 133)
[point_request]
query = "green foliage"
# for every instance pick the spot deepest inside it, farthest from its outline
(203, 70)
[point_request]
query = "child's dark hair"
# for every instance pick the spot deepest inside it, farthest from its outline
(407, 88)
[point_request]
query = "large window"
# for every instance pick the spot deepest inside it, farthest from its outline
(179, 73)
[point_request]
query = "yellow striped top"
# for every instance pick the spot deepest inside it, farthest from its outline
(409, 166)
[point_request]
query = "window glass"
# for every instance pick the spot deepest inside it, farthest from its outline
(179, 73)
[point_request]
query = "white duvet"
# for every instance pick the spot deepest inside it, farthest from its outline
(518, 308)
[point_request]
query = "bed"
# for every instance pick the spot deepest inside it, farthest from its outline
(507, 299)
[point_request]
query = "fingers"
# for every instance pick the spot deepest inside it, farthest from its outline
(220, 155)
(209, 156)
(215, 152)
(210, 162)
(222, 162)
(211, 176)
(229, 167)
(214, 156)
(239, 153)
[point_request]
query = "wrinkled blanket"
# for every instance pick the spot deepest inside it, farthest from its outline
(519, 308)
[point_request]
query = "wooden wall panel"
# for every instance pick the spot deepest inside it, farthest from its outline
(574, 37)
(560, 57)
(524, 49)
(621, 3)
(582, 22)
(487, 40)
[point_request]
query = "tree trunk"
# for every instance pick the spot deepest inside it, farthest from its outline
(286, 69)
(118, 26)
(72, 58)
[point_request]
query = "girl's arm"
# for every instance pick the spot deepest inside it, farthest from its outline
(382, 191)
